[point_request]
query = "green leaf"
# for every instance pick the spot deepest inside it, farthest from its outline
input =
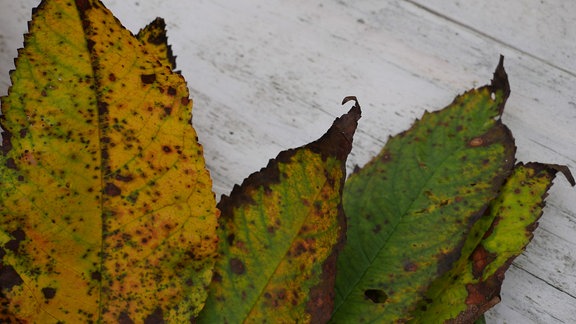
(280, 231)
(409, 209)
(473, 285)
(106, 208)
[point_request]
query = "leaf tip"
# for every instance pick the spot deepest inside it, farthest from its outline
(500, 82)
(154, 35)
(554, 168)
(337, 141)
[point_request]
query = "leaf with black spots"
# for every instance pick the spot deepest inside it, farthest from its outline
(106, 208)
(473, 285)
(280, 232)
(409, 209)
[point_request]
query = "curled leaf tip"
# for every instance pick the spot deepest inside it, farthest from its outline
(555, 168)
(337, 141)
(349, 98)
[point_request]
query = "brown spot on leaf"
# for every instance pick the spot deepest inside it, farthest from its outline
(166, 149)
(171, 91)
(48, 292)
(123, 178)
(18, 236)
(230, 239)
(481, 258)
(124, 318)
(481, 297)
(217, 277)
(167, 110)
(112, 77)
(96, 276)
(112, 190)
(447, 259)
(157, 317)
(10, 164)
(410, 266)
(237, 266)
(9, 277)
(148, 78)
(477, 141)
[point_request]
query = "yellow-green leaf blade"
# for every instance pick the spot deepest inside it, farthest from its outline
(107, 210)
(49, 220)
(473, 285)
(280, 232)
(409, 208)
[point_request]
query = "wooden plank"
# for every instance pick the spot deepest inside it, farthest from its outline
(543, 30)
(269, 75)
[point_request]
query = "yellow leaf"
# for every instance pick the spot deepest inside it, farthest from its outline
(106, 207)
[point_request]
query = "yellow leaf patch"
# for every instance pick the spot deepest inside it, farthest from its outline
(106, 206)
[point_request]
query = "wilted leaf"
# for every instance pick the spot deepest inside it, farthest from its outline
(410, 208)
(473, 286)
(106, 209)
(280, 231)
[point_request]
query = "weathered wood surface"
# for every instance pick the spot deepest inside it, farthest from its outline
(268, 75)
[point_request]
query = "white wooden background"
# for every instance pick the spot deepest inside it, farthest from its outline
(267, 75)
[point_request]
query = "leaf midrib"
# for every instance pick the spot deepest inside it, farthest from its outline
(401, 221)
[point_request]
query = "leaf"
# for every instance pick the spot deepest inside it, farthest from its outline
(280, 231)
(462, 294)
(155, 41)
(106, 208)
(409, 209)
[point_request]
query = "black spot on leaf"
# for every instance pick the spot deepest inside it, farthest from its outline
(112, 190)
(11, 164)
(148, 78)
(123, 178)
(9, 277)
(96, 275)
(157, 317)
(48, 292)
(377, 296)
(18, 236)
(124, 318)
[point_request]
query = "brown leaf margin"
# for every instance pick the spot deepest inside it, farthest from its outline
(336, 142)
(485, 294)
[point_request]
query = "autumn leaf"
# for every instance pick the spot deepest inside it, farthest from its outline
(280, 233)
(106, 208)
(410, 208)
(473, 285)
(155, 41)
